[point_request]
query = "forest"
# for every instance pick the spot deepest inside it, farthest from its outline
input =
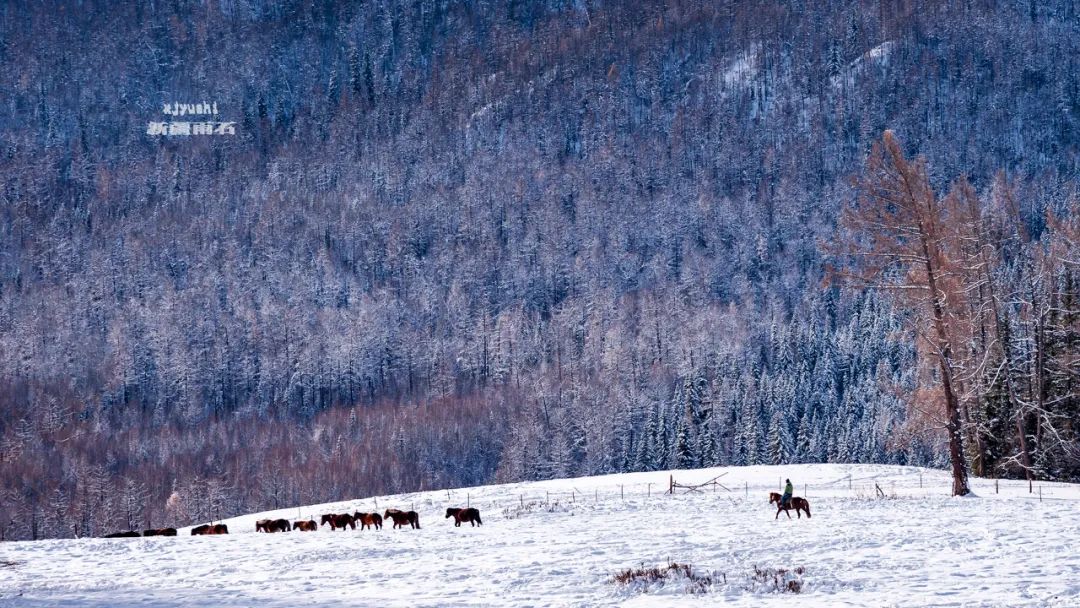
(463, 242)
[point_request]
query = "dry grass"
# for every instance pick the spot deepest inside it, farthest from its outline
(518, 510)
(780, 580)
(646, 578)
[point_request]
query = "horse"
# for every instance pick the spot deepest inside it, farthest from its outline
(160, 532)
(338, 521)
(403, 517)
(305, 526)
(272, 525)
(207, 529)
(469, 514)
(796, 502)
(128, 534)
(367, 520)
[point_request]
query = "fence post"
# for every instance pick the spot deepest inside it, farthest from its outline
(521, 497)
(1040, 493)
(746, 486)
(376, 499)
(468, 500)
(649, 491)
(996, 485)
(920, 480)
(805, 491)
(622, 493)
(547, 496)
(596, 495)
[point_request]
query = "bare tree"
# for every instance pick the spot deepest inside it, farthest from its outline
(896, 237)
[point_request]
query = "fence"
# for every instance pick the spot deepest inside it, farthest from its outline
(869, 487)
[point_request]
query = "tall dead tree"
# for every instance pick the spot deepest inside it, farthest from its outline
(978, 253)
(895, 238)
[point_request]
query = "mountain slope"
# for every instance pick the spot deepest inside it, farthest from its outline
(560, 543)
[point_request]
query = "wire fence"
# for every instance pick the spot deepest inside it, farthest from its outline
(526, 500)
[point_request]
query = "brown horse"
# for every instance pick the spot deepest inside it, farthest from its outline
(796, 502)
(469, 514)
(160, 532)
(218, 529)
(367, 520)
(272, 525)
(128, 534)
(338, 521)
(305, 526)
(403, 517)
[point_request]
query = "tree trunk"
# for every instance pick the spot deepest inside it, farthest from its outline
(944, 354)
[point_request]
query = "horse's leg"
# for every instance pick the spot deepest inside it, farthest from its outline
(778, 513)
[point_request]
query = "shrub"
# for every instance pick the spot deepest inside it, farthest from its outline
(780, 580)
(644, 579)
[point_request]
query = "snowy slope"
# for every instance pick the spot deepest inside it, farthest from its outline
(560, 543)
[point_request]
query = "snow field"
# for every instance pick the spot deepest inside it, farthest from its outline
(561, 542)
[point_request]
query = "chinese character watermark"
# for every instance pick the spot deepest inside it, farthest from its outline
(188, 128)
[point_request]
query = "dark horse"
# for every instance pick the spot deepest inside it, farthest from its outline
(470, 515)
(160, 532)
(207, 529)
(305, 526)
(338, 521)
(797, 503)
(367, 520)
(128, 534)
(273, 525)
(403, 517)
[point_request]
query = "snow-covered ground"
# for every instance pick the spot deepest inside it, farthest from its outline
(560, 543)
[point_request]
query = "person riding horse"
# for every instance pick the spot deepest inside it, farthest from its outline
(785, 500)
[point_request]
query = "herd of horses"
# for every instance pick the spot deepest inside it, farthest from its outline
(367, 521)
(150, 532)
(341, 521)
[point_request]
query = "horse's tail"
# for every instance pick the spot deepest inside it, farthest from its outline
(807, 503)
(478, 518)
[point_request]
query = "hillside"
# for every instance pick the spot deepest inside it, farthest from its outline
(455, 242)
(561, 542)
